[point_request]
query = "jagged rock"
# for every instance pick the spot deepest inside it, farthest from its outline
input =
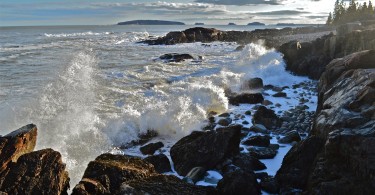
(163, 185)
(240, 48)
(151, 148)
(118, 174)
(161, 163)
(338, 156)
(239, 182)
(263, 141)
(247, 162)
(291, 136)
(255, 83)
(17, 143)
(246, 98)
(40, 172)
(266, 117)
(270, 185)
(205, 149)
(262, 152)
(175, 57)
(195, 174)
(108, 172)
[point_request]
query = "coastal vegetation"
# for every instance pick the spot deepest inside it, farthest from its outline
(352, 12)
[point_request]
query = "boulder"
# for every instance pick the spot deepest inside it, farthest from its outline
(224, 121)
(245, 161)
(291, 136)
(262, 152)
(266, 117)
(270, 185)
(40, 172)
(151, 148)
(258, 128)
(205, 149)
(175, 57)
(195, 174)
(239, 182)
(163, 184)
(17, 143)
(118, 174)
(246, 98)
(255, 83)
(279, 94)
(161, 163)
(263, 141)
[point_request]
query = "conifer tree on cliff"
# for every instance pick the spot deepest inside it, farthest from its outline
(329, 19)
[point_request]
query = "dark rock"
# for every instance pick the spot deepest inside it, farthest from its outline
(270, 185)
(175, 57)
(261, 175)
(161, 163)
(290, 137)
(224, 121)
(247, 162)
(257, 128)
(274, 146)
(255, 83)
(40, 172)
(205, 149)
(266, 117)
(17, 143)
(239, 182)
(118, 174)
(262, 153)
(298, 163)
(245, 123)
(263, 141)
(248, 112)
(279, 94)
(151, 148)
(163, 184)
(240, 48)
(267, 102)
(195, 174)
(246, 98)
(225, 115)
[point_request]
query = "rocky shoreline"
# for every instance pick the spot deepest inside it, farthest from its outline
(331, 146)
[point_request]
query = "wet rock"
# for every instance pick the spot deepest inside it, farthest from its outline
(255, 83)
(262, 153)
(246, 98)
(224, 121)
(248, 112)
(290, 137)
(17, 143)
(279, 94)
(239, 182)
(151, 148)
(274, 146)
(247, 162)
(225, 115)
(175, 57)
(270, 185)
(267, 103)
(163, 184)
(205, 149)
(40, 172)
(245, 123)
(161, 163)
(257, 128)
(263, 141)
(195, 174)
(240, 48)
(266, 117)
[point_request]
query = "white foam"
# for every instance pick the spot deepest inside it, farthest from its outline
(88, 33)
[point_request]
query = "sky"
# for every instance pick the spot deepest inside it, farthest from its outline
(106, 12)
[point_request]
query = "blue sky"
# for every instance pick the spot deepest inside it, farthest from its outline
(102, 12)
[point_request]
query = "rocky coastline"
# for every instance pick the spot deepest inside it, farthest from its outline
(331, 146)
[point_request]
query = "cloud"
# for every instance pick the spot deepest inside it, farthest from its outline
(242, 2)
(282, 12)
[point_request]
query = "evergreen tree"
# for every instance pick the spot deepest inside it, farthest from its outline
(329, 19)
(370, 8)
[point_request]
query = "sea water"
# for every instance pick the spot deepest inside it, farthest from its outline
(91, 89)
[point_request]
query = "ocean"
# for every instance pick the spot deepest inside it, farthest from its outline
(92, 89)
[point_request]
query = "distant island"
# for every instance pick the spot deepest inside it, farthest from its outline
(256, 24)
(199, 23)
(286, 24)
(231, 23)
(150, 22)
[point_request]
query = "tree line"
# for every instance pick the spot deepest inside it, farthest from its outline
(353, 12)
